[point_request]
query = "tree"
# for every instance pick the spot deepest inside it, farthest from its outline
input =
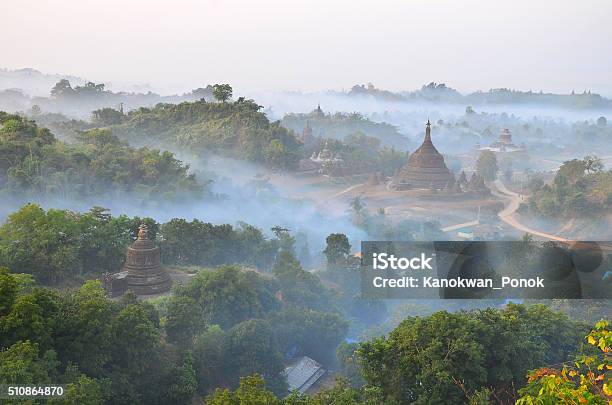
(184, 320)
(32, 317)
(21, 364)
(301, 331)
(83, 391)
(61, 89)
(106, 117)
(602, 121)
(252, 348)
(209, 360)
(222, 92)
(84, 335)
(229, 295)
(588, 381)
(135, 340)
(8, 291)
(300, 287)
(33, 161)
(592, 164)
(486, 165)
(251, 391)
(448, 357)
(348, 361)
(337, 249)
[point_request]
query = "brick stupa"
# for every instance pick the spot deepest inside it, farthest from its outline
(425, 168)
(143, 265)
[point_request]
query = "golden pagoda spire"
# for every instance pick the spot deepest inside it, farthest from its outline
(143, 231)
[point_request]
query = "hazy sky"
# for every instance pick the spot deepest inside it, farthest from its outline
(554, 45)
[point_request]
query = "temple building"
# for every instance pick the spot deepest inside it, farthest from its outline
(303, 374)
(318, 112)
(145, 275)
(425, 169)
(502, 144)
(327, 162)
(307, 137)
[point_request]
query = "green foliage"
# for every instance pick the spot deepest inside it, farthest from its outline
(447, 358)
(236, 129)
(91, 314)
(31, 317)
(361, 153)
(20, 364)
(104, 351)
(252, 391)
(251, 347)
(486, 166)
(300, 287)
(184, 320)
(580, 187)
(258, 320)
(33, 162)
(301, 331)
(61, 245)
(55, 244)
(344, 126)
(209, 360)
(106, 116)
(587, 381)
(204, 244)
(222, 92)
(348, 362)
(8, 291)
(229, 296)
(337, 249)
(84, 391)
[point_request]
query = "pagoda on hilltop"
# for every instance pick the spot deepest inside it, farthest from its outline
(145, 275)
(425, 169)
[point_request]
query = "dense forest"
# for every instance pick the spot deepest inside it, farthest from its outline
(580, 188)
(361, 154)
(34, 163)
(236, 129)
(338, 125)
(75, 96)
(227, 333)
(247, 306)
(75, 245)
(440, 92)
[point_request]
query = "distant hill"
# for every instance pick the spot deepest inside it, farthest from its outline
(441, 93)
(32, 82)
(33, 163)
(24, 89)
(235, 129)
(339, 125)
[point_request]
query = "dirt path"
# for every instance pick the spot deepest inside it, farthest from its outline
(457, 226)
(513, 203)
(347, 190)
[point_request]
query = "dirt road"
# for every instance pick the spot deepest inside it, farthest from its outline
(513, 201)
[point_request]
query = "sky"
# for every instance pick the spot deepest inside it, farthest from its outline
(272, 45)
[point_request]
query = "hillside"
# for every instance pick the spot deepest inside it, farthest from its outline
(441, 93)
(34, 163)
(339, 125)
(235, 129)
